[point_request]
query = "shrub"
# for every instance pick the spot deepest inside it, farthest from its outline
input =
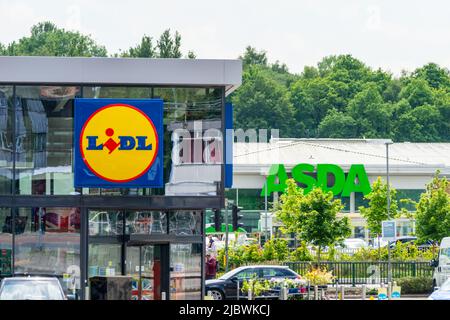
(252, 253)
(319, 277)
(411, 285)
(275, 249)
(301, 253)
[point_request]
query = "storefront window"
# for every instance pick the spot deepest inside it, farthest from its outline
(6, 139)
(360, 201)
(44, 129)
(104, 260)
(147, 222)
(407, 197)
(47, 241)
(5, 242)
(185, 223)
(250, 199)
(105, 223)
(185, 274)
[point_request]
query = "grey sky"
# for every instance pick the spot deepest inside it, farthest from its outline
(394, 35)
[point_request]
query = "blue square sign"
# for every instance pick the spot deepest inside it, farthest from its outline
(119, 143)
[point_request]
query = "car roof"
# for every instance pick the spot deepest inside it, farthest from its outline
(264, 266)
(30, 278)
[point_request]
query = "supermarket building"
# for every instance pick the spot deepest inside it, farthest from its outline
(53, 224)
(411, 166)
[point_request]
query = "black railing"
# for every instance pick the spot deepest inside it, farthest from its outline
(364, 272)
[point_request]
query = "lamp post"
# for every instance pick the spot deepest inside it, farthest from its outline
(265, 210)
(388, 195)
(386, 142)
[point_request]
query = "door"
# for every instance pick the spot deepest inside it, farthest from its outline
(147, 264)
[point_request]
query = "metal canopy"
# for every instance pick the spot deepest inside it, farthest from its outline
(121, 71)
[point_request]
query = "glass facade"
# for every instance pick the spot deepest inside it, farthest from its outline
(185, 266)
(6, 139)
(48, 227)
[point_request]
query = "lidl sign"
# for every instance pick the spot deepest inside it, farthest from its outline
(355, 181)
(118, 143)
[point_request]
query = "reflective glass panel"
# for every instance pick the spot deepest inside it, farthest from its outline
(5, 242)
(6, 139)
(185, 274)
(47, 241)
(185, 223)
(44, 129)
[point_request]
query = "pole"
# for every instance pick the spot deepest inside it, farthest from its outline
(388, 211)
(226, 235)
(265, 209)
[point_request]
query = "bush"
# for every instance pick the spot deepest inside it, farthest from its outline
(301, 253)
(412, 285)
(275, 249)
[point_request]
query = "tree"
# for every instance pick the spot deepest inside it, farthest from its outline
(371, 113)
(167, 46)
(312, 217)
(435, 76)
(338, 125)
(433, 211)
(417, 92)
(47, 39)
(253, 57)
(262, 103)
(420, 124)
(377, 211)
(143, 50)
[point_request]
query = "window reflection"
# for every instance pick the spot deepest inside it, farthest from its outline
(185, 274)
(147, 222)
(185, 223)
(5, 243)
(44, 129)
(105, 223)
(47, 241)
(6, 139)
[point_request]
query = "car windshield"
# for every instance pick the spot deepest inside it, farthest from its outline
(31, 290)
(229, 274)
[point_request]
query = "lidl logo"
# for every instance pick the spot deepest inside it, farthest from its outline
(118, 143)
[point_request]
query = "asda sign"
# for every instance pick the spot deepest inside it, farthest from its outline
(355, 181)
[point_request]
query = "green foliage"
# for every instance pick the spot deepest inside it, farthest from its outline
(258, 95)
(376, 212)
(433, 211)
(312, 217)
(414, 285)
(275, 249)
(341, 97)
(47, 39)
(167, 46)
(301, 253)
(256, 285)
(252, 253)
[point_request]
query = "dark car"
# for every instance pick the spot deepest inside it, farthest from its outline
(411, 239)
(226, 286)
(31, 288)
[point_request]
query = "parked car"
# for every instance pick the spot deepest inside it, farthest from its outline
(442, 263)
(442, 292)
(31, 288)
(355, 243)
(225, 287)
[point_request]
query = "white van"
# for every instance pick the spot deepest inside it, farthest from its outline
(442, 264)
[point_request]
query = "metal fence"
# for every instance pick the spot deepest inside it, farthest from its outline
(365, 272)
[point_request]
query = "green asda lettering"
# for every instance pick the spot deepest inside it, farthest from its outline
(356, 180)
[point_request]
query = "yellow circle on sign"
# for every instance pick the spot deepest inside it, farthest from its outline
(119, 143)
